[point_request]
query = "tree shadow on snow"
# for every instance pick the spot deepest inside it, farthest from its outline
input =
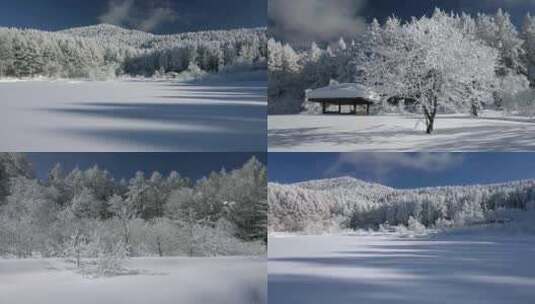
(188, 123)
(520, 137)
(425, 272)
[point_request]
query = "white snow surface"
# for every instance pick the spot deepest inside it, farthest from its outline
(400, 133)
(468, 267)
(132, 116)
(342, 90)
(160, 280)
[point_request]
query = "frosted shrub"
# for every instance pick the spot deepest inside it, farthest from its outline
(215, 241)
(443, 224)
(320, 226)
(110, 262)
(415, 226)
(522, 103)
(312, 108)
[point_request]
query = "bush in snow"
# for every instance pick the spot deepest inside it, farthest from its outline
(110, 261)
(415, 226)
(521, 103)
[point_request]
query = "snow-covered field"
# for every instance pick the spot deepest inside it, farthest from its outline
(459, 133)
(471, 267)
(129, 115)
(160, 280)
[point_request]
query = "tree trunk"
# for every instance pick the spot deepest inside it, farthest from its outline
(429, 120)
(126, 233)
(430, 115)
(430, 125)
(475, 110)
(77, 249)
(160, 253)
(191, 241)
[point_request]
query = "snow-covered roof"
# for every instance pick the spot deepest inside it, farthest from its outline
(342, 90)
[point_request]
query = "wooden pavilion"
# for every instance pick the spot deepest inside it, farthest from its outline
(345, 94)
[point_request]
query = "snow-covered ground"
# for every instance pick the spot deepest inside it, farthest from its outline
(459, 133)
(132, 115)
(470, 267)
(160, 280)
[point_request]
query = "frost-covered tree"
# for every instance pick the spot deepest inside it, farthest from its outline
(351, 203)
(92, 219)
(500, 33)
(479, 40)
(431, 61)
(528, 34)
(125, 211)
(105, 51)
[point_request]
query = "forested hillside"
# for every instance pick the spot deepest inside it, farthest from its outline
(88, 213)
(105, 51)
(351, 203)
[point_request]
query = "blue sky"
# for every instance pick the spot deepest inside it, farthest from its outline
(404, 170)
(125, 165)
(159, 16)
(320, 20)
(405, 9)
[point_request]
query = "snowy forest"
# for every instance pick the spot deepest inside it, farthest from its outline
(349, 203)
(444, 63)
(96, 221)
(106, 51)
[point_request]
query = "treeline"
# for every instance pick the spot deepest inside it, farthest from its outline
(106, 51)
(88, 214)
(303, 208)
(485, 60)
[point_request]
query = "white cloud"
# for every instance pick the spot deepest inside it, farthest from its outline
(156, 17)
(383, 163)
(118, 13)
(143, 15)
(317, 18)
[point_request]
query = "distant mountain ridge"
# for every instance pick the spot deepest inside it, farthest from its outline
(141, 39)
(353, 203)
(346, 182)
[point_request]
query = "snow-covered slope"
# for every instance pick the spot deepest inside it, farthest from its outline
(139, 39)
(346, 182)
(106, 51)
(110, 34)
(349, 202)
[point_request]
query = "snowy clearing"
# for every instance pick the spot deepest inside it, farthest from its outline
(459, 133)
(160, 280)
(465, 267)
(130, 116)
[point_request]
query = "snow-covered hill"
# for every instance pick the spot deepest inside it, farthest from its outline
(110, 34)
(346, 182)
(351, 203)
(139, 39)
(105, 51)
